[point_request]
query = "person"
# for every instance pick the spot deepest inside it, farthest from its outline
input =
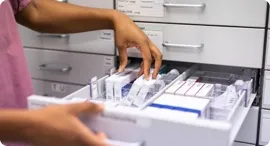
(56, 125)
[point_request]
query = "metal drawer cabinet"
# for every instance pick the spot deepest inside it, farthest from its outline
(211, 45)
(248, 131)
(210, 12)
(67, 67)
(265, 128)
(53, 89)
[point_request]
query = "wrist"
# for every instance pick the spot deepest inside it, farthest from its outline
(115, 17)
(14, 125)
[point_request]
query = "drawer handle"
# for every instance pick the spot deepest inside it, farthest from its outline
(53, 35)
(198, 6)
(183, 46)
(62, 1)
(47, 67)
(121, 143)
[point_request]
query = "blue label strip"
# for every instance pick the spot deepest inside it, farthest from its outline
(176, 108)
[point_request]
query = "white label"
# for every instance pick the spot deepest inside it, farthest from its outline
(151, 8)
(108, 61)
(155, 36)
(106, 35)
(61, 88)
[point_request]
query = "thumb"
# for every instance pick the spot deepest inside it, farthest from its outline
(85, 107)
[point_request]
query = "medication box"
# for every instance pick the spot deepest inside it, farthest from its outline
(205, 91)
(175, 87)
(199, 106)
(182, 90)
(195, 89)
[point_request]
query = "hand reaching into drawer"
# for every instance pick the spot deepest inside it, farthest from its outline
(129, 35)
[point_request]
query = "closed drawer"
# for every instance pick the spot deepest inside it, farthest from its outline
(213, 12)
(29, 37)
(241, 144)
(211, 45)
(266, 90)
(100, 42)
(53, 89)
(67, 67)
(267, 55)
(248, 131)
(265, 128)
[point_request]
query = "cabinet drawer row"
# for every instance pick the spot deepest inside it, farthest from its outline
(248, 13)
(206, 44)
(67, 67)
(53, 89)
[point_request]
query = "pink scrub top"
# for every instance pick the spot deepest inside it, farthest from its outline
(15, 81)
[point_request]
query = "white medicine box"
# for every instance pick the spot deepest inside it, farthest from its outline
(137, 126)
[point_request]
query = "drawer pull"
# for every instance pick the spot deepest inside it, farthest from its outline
(198, 6)
(53, 35)
(62, 1)
(120, 143)
(183, 46)
(48, 67)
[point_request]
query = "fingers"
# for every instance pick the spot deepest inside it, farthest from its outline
(147, 59)
(141, 70)
(157, 57)
(86, 107)
(123, 58)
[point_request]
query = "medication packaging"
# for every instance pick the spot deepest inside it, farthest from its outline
(175, 87)
(182, 90)
(121, 81)
(199, 106)
(205, 91)
(194, 89)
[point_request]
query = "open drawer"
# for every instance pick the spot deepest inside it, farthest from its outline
(138, 126)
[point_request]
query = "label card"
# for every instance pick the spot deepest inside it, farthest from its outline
(155, 36)
(61, 88)
(106, 35)
(150, 8)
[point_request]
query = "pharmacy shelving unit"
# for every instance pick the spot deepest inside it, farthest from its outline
(228, 34)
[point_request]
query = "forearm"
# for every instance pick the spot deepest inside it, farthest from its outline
(14, 125)
(56, 17)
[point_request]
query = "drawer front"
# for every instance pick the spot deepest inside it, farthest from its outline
(265, 128)
(213, 12)
(66, 66)
(248, 131)
(53, 89)
(241, 144)
(29, 37)
(212, 45)
(267, 60)
(100, 42)
(266, 90)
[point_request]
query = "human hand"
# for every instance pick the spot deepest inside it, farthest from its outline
(59, 126)
(128, 35)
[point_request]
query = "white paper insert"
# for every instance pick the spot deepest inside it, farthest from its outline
(149, 8)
